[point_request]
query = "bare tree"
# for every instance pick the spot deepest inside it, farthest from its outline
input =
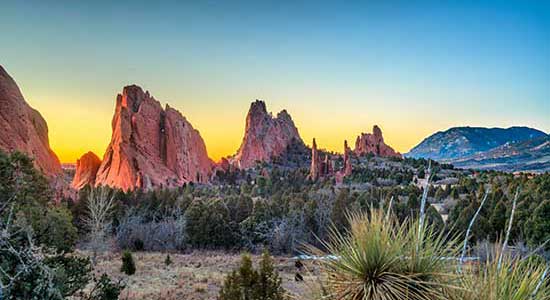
(97, 219)
(467, 237)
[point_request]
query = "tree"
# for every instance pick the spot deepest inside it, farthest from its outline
(55, 229)
(539, 225)
(497, 221)
(97, 220)
(128, 265)
(246, 283)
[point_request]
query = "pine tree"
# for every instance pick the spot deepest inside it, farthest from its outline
(246, 283)
(128, 265)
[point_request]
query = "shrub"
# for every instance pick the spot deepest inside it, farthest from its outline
(138, 233)
(128, 265)
(248, 283)
(516, 278)
(168, 260)
(55, 229)
(379, 259)
(104, 289)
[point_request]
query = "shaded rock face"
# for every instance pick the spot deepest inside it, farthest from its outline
(265, 137)
(347, 160)
(374, 143)
(86, 170)
(151, 146)
(23, 128)
(315, 169)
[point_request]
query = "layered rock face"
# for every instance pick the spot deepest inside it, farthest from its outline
(374, 143)
(265, 137)
(23, 128)
(86, 170)
(151, 146)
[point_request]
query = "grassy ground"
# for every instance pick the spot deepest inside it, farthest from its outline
(197, 275)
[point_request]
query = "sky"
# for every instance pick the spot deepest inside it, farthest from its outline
(337, 67)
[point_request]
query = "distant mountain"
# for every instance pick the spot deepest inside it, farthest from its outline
(461, 142)
(528, 156)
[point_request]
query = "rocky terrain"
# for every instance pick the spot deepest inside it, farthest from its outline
(265, 137)
(23, 128)
(151, 146)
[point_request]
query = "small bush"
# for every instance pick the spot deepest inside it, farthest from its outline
(105, 289)
(128, 265)
(248, 283)
(168, 261)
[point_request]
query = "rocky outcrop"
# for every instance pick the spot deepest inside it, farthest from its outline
(23, 128)
(86, 170)
(151, 146)
(374, 143)
(315, 169)
(265, 137)
(347, 160)
(347, 168)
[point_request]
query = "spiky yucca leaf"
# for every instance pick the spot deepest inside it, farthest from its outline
(516, 279)
(379, 259)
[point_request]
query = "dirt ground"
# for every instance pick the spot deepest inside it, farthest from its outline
(197, 275)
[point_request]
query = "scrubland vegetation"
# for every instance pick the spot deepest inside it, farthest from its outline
(370, 234)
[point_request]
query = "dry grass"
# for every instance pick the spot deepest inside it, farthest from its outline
(197, 275)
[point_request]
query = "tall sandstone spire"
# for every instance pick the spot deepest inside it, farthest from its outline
(23, 128)
(265, 137)
(347, 159)
(151, 146)
(315, 170)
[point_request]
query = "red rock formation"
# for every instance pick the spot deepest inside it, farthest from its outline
(347, 160)
(265, 137)
(151, 146)
(23, 128)
(86, 170)
(374, 143)
(315, 170)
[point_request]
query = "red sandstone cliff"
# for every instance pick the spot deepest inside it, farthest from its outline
(151, 146)
(23, 128)
(265, 137)
(86, 170)
(374, 143)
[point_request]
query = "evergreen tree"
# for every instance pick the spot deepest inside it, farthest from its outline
(246, 283)
(128, 264)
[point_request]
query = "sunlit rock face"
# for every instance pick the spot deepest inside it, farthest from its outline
(86, 170)
(265, 136)
(151, 146)
(23, 128)
(374, 143)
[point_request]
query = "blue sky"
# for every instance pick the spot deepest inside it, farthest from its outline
(337, 67)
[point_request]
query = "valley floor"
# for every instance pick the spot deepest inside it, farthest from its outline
(192, 276)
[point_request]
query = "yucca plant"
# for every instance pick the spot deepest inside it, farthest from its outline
(515, 279)
(378, 258)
